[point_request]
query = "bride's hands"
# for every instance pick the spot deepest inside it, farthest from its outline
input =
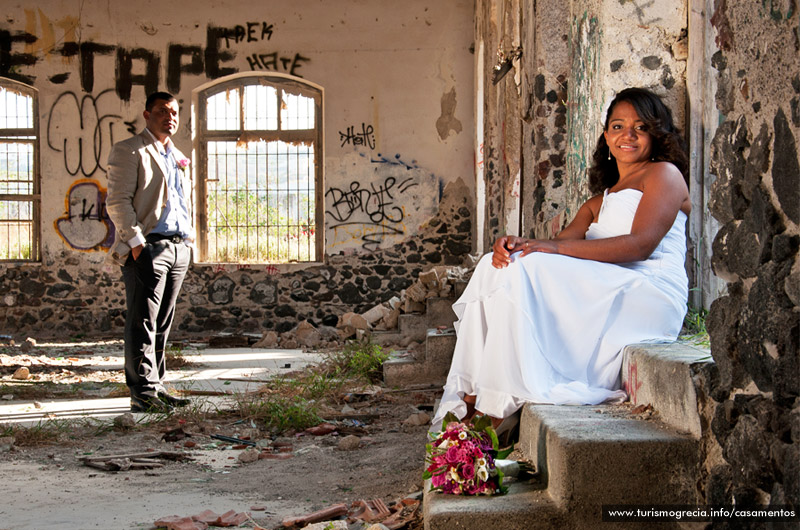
(503, 248)
(507, 245)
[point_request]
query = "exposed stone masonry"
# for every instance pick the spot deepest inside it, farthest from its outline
(43, 300)
(755, 328)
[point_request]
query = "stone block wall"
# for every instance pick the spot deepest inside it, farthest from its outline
(755, 328)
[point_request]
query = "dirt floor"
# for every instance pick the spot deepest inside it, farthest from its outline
(46, 484)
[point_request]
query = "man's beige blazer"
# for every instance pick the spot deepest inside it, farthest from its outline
(137, 190)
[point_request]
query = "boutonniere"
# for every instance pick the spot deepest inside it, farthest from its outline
(183, 165)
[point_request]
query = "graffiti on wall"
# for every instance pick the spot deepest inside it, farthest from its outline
(83, 132)
(85, 225)
(640, 8)
(364, 137)
(139, 67)
(367, 213)
(276, 62)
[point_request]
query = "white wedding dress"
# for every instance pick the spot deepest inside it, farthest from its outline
(551, 328)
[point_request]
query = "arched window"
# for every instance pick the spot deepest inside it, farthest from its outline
(19, 172)
(258, 145)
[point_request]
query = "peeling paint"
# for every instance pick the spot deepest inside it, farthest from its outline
(447, 121)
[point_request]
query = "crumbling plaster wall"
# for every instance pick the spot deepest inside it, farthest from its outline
(542, 119)
(398, 81)
(755, 328)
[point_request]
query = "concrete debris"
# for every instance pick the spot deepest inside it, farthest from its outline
(353, 320)
(306, 334)
(394, 302)
(249, 455)
(7, 397)
(377, 526)
(28, 345)
(349, 443)
(290, 344)
(376, 313)
(416, 419)
(22, 373)
(413, 307)
(269, 340)
(124, 422)
(417, 292)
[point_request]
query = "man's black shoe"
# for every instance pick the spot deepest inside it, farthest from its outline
(172, 400)
(150, 404)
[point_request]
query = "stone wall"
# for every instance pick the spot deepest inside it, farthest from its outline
(755, 328)
(398, 82)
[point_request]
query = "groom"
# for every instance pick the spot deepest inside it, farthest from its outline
(149, 192)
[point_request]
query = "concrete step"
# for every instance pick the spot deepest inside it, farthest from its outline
(524, 507)
(663, 375)
(430, 367)
(413, 326)
(589, 456)
(439, 312)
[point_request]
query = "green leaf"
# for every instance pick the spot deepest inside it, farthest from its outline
(448, 418)
(426, 475)
(493, 436)
(482, 423)
(503, 454)
(503, 489)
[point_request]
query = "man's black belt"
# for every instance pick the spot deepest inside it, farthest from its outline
(175, 238)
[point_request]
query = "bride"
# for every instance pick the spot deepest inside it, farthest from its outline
(545, 321)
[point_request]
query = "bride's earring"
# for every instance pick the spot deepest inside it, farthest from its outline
(609, 153)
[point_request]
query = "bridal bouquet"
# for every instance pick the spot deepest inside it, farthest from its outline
(461, 458)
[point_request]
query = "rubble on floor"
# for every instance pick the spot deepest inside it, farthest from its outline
(439, 281)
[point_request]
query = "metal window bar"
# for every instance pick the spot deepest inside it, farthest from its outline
(263, 209)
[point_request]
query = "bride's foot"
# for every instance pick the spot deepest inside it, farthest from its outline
(469, 400)
(505, 428)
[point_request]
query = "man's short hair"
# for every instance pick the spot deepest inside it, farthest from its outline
(152, 98)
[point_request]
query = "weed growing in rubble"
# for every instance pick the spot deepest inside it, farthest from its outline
(174, 357)
(279, 413)
(54, 431)
(360, 359)
(694, 327)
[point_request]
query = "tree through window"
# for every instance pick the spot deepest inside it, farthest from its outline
(259, 192)
(19, 170)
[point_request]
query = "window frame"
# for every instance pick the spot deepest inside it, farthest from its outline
(35, 198)
(201, 137)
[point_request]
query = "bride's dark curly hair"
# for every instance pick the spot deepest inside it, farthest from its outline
(667, 142)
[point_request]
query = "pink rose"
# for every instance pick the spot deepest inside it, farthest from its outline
(468, 471)
(453, 454)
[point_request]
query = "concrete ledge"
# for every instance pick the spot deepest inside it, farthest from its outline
(588, 456)
(524, 507)
(662, 375)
